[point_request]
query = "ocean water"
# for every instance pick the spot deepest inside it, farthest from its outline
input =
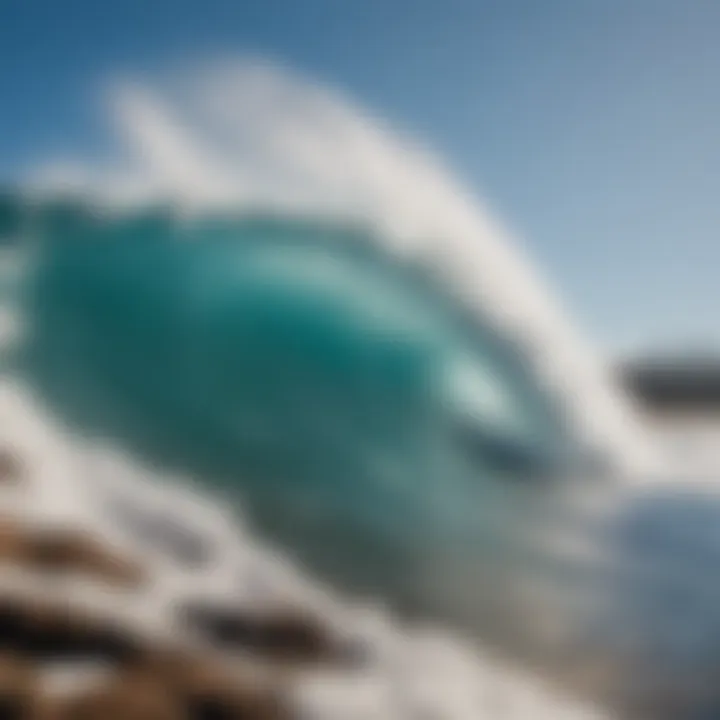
(390, 442)
(269, 289)
(268, 292)
(291, 363)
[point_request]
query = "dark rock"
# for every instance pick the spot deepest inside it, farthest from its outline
(209, 690)
(285, 635)
(18, 688)
(124, 698)
(11, 467)
(47, 632)
(62, 551)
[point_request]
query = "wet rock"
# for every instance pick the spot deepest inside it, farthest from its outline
(64, 551)
(50, 632)
(208, 690)
(11, 468)
(147, 681)
(289, 635)
(125, 697)
(18, 688)
(210, 693)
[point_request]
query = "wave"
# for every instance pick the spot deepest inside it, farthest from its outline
(254, 136)
(289, 359)
(274, 293)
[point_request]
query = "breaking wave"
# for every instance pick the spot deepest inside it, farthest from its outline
(269, 290)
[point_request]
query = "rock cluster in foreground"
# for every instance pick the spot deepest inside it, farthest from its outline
(122, 596)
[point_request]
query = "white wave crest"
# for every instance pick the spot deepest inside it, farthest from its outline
(253, 134)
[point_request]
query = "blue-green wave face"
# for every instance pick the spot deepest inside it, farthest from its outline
(293, 361)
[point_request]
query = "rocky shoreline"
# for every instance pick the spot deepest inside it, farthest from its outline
(106, 614)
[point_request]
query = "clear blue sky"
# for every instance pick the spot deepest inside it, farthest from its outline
(592, 126)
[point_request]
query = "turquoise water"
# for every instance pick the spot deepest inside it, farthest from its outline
(291, 361)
